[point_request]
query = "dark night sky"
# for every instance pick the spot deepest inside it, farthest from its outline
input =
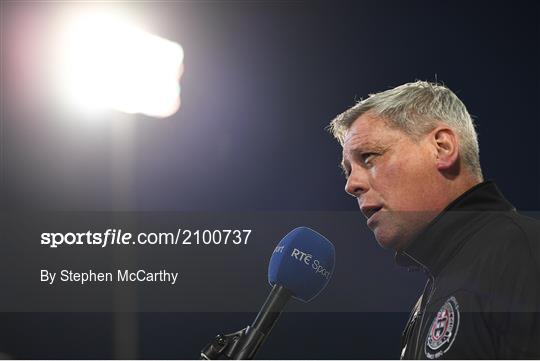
(262, 81)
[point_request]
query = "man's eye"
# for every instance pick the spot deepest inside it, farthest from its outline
(368, 157)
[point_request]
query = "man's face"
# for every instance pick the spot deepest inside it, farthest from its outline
(394, 179)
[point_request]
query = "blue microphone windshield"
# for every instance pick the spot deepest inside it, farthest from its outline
(303, 263)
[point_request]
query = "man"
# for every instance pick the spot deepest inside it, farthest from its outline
(411, 158)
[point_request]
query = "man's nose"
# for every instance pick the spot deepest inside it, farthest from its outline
(357, 183)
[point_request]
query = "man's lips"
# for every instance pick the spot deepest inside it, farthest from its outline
(369, 210)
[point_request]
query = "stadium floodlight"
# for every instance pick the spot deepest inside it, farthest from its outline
(108, 63)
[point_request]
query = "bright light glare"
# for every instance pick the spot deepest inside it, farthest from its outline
(109, 63)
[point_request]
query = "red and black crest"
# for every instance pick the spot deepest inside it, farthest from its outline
(443, 329)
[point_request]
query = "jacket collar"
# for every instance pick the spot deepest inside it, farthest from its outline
(431, 250)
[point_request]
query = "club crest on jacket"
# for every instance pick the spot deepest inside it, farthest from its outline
(443, 329)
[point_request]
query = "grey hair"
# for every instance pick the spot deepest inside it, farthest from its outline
(416, 109)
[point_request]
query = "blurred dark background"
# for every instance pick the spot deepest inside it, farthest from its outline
(262, 80)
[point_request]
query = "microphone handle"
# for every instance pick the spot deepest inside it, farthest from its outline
(259, 330)
(271, 310)
(244, 344)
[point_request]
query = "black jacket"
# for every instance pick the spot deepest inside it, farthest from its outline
(482, 298)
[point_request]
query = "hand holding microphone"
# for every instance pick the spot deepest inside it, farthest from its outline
(300, 267)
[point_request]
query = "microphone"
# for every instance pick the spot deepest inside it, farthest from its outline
(300, 267)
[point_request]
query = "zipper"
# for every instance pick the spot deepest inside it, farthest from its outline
(406, 339)
(432, 290)
(422, 309)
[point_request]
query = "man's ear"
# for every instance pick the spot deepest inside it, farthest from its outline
(446, 147)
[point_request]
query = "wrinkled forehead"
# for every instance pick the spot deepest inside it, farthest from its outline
(366, 132)
(362, 142)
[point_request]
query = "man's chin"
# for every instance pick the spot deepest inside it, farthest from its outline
(389, 240)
